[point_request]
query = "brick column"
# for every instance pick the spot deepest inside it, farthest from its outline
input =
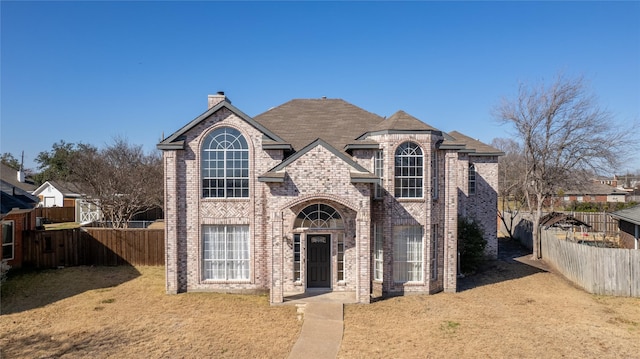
(276, 246)
(170, 222)
(450, 277)
(363, 253)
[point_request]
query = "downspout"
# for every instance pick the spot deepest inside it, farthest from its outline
(637, 235)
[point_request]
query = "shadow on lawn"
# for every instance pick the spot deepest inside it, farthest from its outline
(44, 345)
(30, 289)
(513, 262)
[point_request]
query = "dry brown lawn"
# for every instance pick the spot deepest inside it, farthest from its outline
(123, 312)
(508, 310)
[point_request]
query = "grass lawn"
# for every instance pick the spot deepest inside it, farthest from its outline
(123, 312)
(508, 310)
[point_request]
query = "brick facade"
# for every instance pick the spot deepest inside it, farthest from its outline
(320, 174)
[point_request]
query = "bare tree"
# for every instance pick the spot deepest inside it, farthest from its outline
(564, 135)
(120, 179)
(509, 179)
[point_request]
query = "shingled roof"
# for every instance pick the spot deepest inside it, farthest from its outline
(302, 121)
(402, 121)
(10, 176)
(628, 214)
(593, 189)
(471, 145)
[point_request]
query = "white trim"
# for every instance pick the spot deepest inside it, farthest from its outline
(11, 244)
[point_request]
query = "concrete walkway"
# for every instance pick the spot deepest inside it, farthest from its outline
(321, 333)
(322, 329)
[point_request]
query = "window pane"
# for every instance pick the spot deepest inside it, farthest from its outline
(226, 252)
(407, 253)
(319, 216)
(225, 155)
(408, 170)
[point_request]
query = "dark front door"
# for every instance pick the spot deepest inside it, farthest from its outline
(318, 265)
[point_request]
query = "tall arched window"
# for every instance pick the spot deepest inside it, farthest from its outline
(408, 171)
(225, 164)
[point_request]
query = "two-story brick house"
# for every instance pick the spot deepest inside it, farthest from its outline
(319, 193)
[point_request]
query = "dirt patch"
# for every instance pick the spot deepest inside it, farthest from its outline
(125, 313)
(507, 309)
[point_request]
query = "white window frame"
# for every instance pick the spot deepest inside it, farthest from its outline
(378, 253)
(297, 261)
(340, 257)
(472, 180)
(226, 253)
(378, 167)
(408, 246)
(319, 216)
(8, 244)
(225, 164)
(408, 171)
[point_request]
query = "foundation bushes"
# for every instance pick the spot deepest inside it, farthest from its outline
(471, 244)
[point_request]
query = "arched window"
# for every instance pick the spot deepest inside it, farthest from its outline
(408, 171)
(319, 216)
(225, 164)
(472, 179)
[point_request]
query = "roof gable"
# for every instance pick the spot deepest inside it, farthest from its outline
(67, 189)
(402, 121)
(359, 173)
(176, 140)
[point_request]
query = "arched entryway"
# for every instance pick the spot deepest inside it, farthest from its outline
(321, 254)
(322, 227)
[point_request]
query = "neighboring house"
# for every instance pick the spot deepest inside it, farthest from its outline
(629, 225)
(595, 192)
(630, 183)
(57, 194)
(613, 182)
(16, 213)
(16, 179)
(321, 194)
(67, 194)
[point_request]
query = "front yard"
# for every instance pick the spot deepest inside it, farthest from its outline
(123, 312)
(508, 310)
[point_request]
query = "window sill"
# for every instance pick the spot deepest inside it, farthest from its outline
(408, 200)
(223, 199)
(219, 281)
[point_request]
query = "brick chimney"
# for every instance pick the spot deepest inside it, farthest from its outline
(217, 98)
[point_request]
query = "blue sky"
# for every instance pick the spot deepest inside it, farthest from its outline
(91, 71)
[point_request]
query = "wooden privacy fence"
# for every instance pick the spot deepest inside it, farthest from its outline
(93, 246)
(57, 214)
(608, 271)
(599, 221)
